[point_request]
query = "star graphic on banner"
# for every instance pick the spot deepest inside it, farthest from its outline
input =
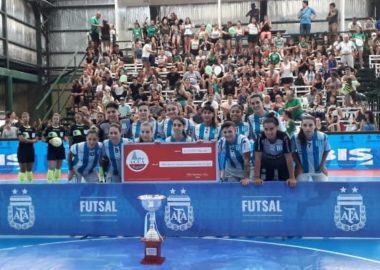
(183, 191)
(24, 191)
(172, 191)
(343, 190)
(14, 191)
(355, 190)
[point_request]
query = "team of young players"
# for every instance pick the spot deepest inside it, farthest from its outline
(258, 149)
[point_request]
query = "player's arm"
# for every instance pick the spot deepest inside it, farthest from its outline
(70, 162)
(322, 165)
(257, 169)
(245, 180)
(289, 163)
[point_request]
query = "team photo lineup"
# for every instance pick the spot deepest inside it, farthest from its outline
(244, 98)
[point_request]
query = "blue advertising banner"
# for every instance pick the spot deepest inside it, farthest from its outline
(8, 157)
(354, 151)
(357, 151)
(218, 209)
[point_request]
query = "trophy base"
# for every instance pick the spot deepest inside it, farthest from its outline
(153, 260)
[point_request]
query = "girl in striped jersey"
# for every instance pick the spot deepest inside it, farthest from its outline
(111, 155)
(179, 134)
(173, 111)
(242, 128)
(146, 133)
(233, 155)
(84, 159)
(236, 115)
(310, 148)
(256, 119)
(143, 114)
(208, 130)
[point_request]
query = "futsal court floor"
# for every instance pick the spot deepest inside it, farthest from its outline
(207, 253)
(190, 254)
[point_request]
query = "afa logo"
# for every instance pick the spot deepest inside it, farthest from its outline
(350, 213)
(179, 214)
(137, 160)
(21, 215)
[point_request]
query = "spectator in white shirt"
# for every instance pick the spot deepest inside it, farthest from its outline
(347, 47)
(354, 25)
(103, 88)
(9, 131)
(146, 51)
(211, 101)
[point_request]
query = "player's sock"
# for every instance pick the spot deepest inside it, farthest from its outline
(21, 176)
(50, 176)
(29, 176)
(57, 174)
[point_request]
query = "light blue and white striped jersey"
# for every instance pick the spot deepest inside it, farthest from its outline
(206, 133)
(310, 154)
(231, 155)
(256, 123)
(113, 154)
(136, 129)
(242, 129)
(166, 129)
(86, 160)
(185, 139)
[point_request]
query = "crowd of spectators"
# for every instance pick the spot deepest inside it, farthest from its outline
(176, 61)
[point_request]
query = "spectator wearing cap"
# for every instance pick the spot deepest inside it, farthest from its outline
(306, 14)
(124, 109)
(347, 48)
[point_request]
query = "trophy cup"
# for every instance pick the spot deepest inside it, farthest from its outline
(152, 237)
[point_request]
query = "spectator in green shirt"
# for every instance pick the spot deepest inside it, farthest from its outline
(289, 124)
(137, 32)
(293, 105)
(95, 28)
(151, 30)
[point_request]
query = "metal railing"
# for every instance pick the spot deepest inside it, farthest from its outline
(65, 72)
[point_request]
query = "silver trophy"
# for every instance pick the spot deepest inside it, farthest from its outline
(152, 237)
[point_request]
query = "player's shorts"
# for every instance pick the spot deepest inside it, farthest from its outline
(25, 154)
(312, 177)
(56, 153)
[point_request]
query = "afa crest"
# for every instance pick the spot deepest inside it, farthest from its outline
(179, 214)
(21, 215)
(350, 212)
